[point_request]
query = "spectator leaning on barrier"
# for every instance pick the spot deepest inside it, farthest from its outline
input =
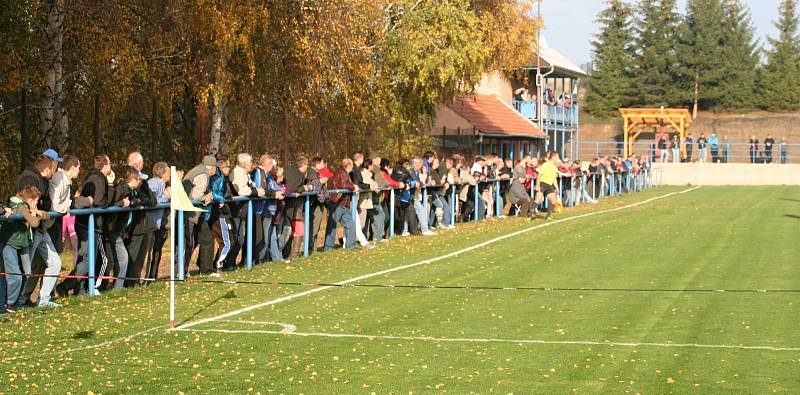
(119, 225)
(261, 218)
(97, 189)
(339, 208)
(316, 205)
(784, 147)
(769, 142)
(517, 195)
(713, 142)
(160, 189)
(377, 215)
(662, 149)
(244, 186)
(701, 147)
(60, 193)
(676, 149)
(221, 192)
(15, 238)
(42, 248)
(689, 146)
(198, 229)
(295, 179)
(419, 176)
(139, 235)
(280, 231)
(753, 149)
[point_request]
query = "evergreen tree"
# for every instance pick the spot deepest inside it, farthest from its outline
(655, 60)
(610, 83)
(700, 51)
(780, 82)
(740, 55)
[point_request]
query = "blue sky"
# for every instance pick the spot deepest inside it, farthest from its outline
(570, 24)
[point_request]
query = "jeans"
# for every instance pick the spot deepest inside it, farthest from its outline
(275, 248)
(48, 263)
(664, 155)
(340, 215)
(265, 248)
(378, 217)
(702, 154)
(116, 247)
(784, 154)
(16, 262)
(422, 215)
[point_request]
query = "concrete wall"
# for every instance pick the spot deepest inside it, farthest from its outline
(728, 174)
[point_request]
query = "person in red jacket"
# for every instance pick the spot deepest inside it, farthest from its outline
(339, 208)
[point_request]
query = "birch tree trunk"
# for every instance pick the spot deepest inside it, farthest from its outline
(54, 122)
(217, 137)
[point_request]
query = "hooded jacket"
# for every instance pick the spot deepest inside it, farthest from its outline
(96, 186)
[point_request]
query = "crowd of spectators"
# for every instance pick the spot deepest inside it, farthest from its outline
(668, 149)
(429, 194)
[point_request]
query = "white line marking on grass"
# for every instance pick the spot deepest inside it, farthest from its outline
(492, 340)
(423, 262)
(103, 344)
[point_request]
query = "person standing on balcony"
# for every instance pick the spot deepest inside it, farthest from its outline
(769, 142)
(701, 147)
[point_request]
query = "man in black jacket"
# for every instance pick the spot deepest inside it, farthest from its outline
(140, 234)
(96, 187)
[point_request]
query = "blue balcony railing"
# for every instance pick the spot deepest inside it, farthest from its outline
(553, 114)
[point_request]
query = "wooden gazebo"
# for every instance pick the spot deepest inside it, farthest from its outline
(638, 120)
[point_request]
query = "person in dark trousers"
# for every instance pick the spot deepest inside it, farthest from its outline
(317, 205)
(689, 146)
(405, 218)
(701, 147)
(96, 187)
(339, 208)
(160, 189)
(753, 149)
(261, 217)
(243, 185)
(198, 228)
(222, 192)
(769, 142)
(140, 235)
(120, 225)
(295, 181)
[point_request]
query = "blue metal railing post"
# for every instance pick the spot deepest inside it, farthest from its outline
(391, 212)
(92, 258)
(354, 207)
(475, 215)
(249, 241)
(452, 205)
(497, 204)
(181, 236)
(306, 224)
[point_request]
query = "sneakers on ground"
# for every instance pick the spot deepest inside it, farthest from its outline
(49, 305)
(215, 274)
(404, 234)
(450, 227)
(429, 233)
(10, 309)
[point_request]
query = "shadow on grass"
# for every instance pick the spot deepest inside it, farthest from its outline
(790, 200)
(792, 216)
(227, 295)
(83, 335)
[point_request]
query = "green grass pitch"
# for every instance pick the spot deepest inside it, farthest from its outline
(618, 322)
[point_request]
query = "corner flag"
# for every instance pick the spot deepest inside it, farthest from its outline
(179, 201)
